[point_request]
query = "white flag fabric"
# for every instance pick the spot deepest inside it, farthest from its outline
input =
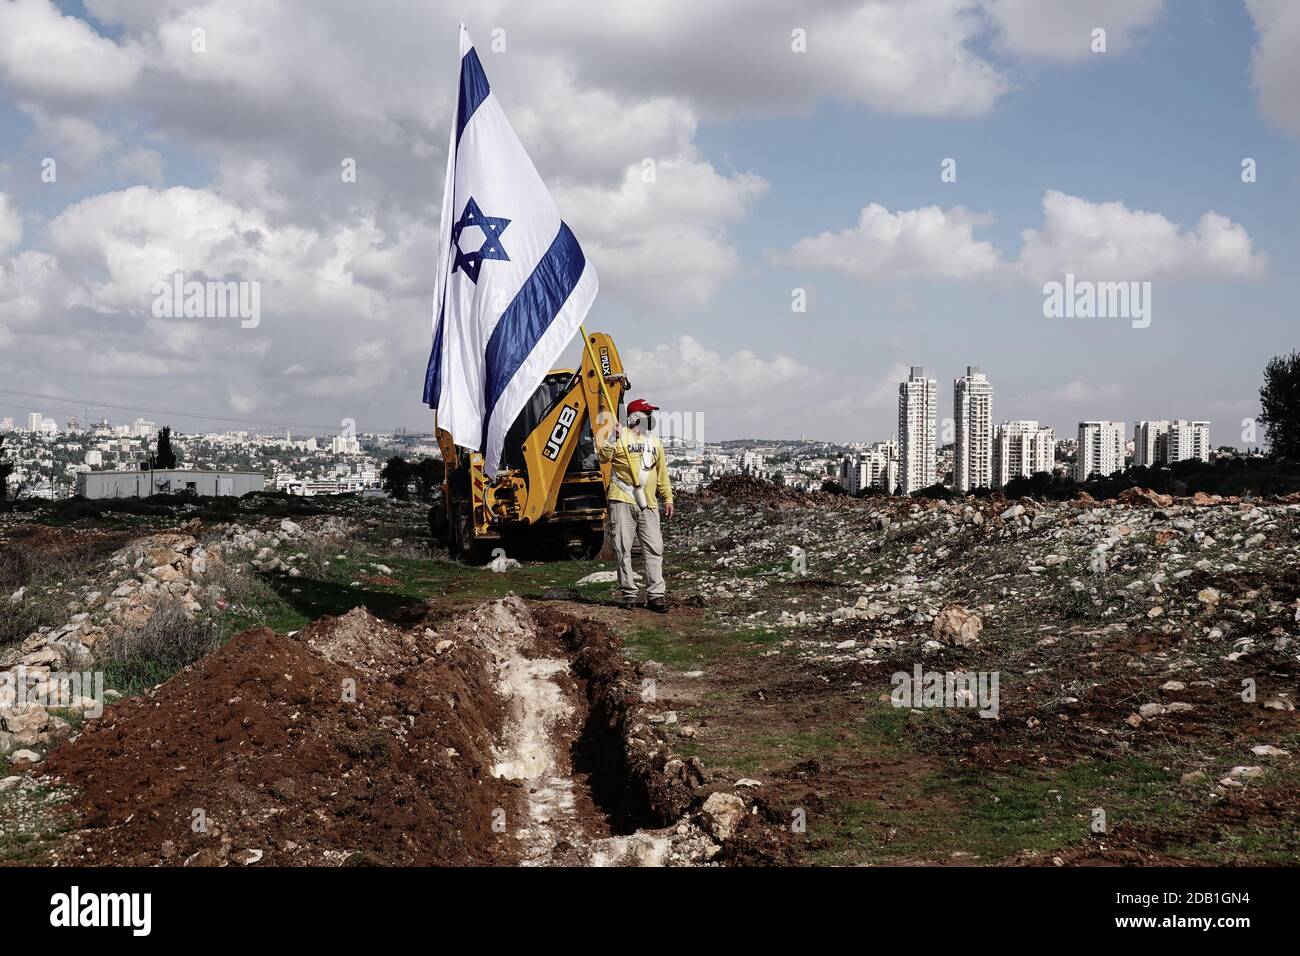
(513, 285)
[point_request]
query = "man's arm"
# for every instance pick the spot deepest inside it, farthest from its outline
(609, 449)
(665, 488)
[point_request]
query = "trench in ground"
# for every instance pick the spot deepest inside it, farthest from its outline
(564, 742)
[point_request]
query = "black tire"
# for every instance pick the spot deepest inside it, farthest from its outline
(583, 547)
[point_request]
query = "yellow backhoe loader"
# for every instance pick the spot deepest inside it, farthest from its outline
(550, 491)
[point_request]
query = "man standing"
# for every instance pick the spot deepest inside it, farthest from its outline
(638, 480)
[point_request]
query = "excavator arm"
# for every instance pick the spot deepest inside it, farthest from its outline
(549, 488)
(549, 450)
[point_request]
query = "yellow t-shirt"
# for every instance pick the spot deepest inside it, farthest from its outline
(629, 453)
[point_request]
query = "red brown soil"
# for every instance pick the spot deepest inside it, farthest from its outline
(258, 736)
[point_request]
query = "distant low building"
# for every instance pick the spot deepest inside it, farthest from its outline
(143, 484)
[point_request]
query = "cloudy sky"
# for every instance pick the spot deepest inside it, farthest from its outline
(790, 151)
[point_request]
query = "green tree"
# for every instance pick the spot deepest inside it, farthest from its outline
(165, 456)
(396, 477)
(1279, 401)
(428, 473)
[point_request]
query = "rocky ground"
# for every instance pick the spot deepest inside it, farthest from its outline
(320, 685)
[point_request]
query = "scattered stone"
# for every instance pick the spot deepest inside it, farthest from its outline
(956, 626)
(721, 814)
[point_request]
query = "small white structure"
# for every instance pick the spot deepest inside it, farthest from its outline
(142, 484)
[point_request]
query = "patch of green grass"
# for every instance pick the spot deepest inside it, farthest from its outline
(991, 817)
(690, 641)
(30, 821)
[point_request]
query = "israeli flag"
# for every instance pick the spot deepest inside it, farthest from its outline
(512, 283)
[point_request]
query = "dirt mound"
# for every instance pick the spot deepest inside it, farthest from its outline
(261, 752)
(360, 640)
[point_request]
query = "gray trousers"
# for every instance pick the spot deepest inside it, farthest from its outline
(628, 524)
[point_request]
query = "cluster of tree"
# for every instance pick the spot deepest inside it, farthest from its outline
(401, 477)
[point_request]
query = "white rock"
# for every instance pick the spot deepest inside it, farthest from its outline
(501, 563)
(1268, 750)
(722, 813)
(599, 577)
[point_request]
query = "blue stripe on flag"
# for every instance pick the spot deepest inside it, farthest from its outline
(474, 90)
(531, 313)
(433, 373)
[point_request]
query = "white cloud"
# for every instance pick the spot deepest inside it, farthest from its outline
(77, 144)
(29, 287)
(1275, 67)
(1094, 240)
(732, 392)
(912, 243)
(897, 56)
(136, 237)
(1062, 29)
(1109, 241)
(59, 58)
(11, 224)
(663, 241)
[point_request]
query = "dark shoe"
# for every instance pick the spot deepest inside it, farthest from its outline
(627, 605)
(658, 605)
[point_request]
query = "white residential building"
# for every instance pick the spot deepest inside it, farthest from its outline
(972, 413)
(917, 405)
(1101, 449)
(1022, 449)
(1187, 440)
(853, 474)
(34, 422)
(875, 467)
(1150, 440)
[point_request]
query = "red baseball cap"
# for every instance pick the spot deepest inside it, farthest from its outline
(641, 405)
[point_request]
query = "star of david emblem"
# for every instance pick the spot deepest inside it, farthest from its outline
(491, 228)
